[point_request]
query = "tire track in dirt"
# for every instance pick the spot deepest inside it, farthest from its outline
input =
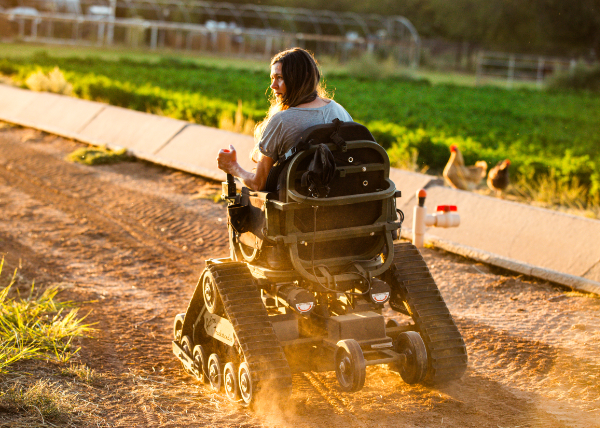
(74, 181)
(511, 358)
(136, 327)
(147, 236)
(338, 403)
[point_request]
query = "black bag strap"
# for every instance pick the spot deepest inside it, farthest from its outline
(336, 137)
(300, 146)
(321, 171)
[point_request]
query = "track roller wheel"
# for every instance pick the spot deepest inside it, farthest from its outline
(245, 383)
(187, 345)
(199, 357)
(413, 362)
(230, 381)
(178, 326)
(350, 367)
(214, 372)
(212, 300)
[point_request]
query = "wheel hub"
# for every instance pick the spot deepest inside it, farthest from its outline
(208, 292)
(229, 383)
(244, 383)
(345, 366)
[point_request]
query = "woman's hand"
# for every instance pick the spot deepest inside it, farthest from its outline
(227, 160)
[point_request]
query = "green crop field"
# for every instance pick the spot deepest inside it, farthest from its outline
(552, 138)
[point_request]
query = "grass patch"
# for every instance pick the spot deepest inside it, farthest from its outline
(40, 328)
(42, 398)
(37, 327)
(583, 294)
(99, 156)
(82, 372)
(38, 403)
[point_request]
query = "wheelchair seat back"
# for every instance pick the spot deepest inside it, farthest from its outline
(352, 222)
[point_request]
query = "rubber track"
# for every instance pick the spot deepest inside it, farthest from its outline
(245, 309)
(414, 284)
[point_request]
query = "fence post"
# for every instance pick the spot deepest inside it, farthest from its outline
(110, 33)
(540, 72)
(268, 46)
(188, 40)
(34, 27)
(101, 28)
(479, 67)
(511, 71)
(153, 37)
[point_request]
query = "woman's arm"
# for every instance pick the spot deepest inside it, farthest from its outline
(227, 161)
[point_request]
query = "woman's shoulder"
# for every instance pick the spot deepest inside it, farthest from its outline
(334, 104)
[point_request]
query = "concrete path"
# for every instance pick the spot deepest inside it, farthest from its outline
(547, 244)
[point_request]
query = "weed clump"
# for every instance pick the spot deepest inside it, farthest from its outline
(37, 327)
(54, 81)
(81, 372)
(44, 403)
(99, 156)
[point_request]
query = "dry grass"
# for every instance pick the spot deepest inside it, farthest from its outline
(27, 401)
(54, 81)
(406, 160)
(83, 373)
(238, 123)
(552, 192)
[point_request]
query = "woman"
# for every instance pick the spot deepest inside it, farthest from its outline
(298, 102)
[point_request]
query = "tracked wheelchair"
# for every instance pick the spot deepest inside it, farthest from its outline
(314, 259)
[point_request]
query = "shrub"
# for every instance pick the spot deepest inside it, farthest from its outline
(7, 68)
(582, 78)
(54, 81)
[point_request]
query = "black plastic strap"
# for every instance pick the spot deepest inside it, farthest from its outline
(336, 137)
(302, 145)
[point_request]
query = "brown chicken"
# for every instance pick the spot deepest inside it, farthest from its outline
(460, 176)
(498, 179)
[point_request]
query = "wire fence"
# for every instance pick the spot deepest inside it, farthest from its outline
(215, 27)
(514, 67)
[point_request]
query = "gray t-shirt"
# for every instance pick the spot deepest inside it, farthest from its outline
(284, 128)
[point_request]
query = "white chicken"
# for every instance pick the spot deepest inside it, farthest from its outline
(460, 176)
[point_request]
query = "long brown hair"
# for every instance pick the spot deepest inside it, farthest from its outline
(303, 84)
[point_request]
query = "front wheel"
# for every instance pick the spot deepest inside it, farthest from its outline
(413, 357)
(350, 366)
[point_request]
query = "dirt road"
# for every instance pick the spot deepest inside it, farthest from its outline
(128, 241)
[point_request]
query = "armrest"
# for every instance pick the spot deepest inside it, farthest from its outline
(263, 196)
